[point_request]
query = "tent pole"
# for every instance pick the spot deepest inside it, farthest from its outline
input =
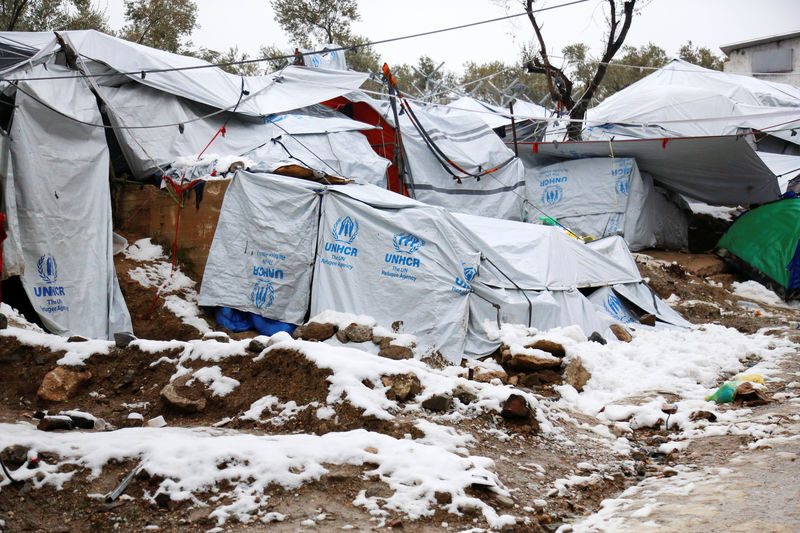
(513, 127)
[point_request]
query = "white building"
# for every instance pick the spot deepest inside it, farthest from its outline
(774, 58)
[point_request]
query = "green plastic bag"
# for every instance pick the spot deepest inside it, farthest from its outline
(725, 393)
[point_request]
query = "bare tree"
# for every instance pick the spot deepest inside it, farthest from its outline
(559, 83)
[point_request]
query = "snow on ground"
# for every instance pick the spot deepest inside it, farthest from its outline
(630, 382)
(175, 287)
(756, 291)
(189, 461)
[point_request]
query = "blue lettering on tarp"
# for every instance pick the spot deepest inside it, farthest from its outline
(407, 243)
(48, 268)
(552, 195)
(463, 286)
(615, 308)
(395, 259)
(345, 230)
(621, 186)
(263, 294)
(262, 272)
(48, 272)
(341, 249)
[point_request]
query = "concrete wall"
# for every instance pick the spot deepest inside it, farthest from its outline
(146, 211)
(739, 61)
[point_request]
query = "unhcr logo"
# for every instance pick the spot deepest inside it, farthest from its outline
(614, 307)
(552, 195)
(48, 268)
(345, 230)
(463, 286)
(407, 243)
(622, 186)
(263, 294)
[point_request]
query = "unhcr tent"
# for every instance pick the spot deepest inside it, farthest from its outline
(599, 197)
(765, 243)
(285, 249)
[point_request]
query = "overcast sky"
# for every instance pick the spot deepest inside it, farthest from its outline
(249, 24)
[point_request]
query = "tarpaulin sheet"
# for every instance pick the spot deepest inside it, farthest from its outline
(599, 197)
(63, 207)
(407, 264)
(262, 256)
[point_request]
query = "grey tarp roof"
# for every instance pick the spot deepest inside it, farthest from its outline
(722, 170)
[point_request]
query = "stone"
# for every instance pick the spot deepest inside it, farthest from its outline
(392, 351)
(54, 423)
(532, 363)
(162, 499)
(648, 319)
(438, 403)
(703, 415)
(553, 348)
(513, 380)
(123, 339)
(341, 336)
(77, 338)
(14, 456)
(443, 498)
(80, 420)
(397, 325)
(596, 337)
(486, 375)
(465, 396)
(515, 408)
(127, 379)
(60, 384)
(402, 388)
(358, 332)
(576, 375)
(157, 422)
(3, 321)
(174, 394)
(218, 336)
(316, 331)
(299, 332)
(376, 339)
(620, 333)
(256, 346)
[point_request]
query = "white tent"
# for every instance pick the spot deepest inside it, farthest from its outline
(599, 197)
(694, 101)
(365, 250)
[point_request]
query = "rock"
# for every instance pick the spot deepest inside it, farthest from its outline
(218, 336)
(541, 378)
(175, 395)
(163, 500)
(397, 524)
(60, 384)
(402, 388)
(127, 379)
(486, 375)
(123, 339)
(3, 321)
(515, 408)
(576, 375)
(443, 498)
(54, 423)
(532, 363)
(648, 319)
(437, 403)
(596, 337)
(80, 420)
(316, 331)
(464, 396)
(299, 332)
(392, 351)
(341, 336)
(358, 332)
(513, 380)
(14, 456)
(620, 333)
(77, 338)
(669, 408)
(503, 500)
(397, 325)
(553, 348)
(376, 339)
(256, 346)
(703, 415)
